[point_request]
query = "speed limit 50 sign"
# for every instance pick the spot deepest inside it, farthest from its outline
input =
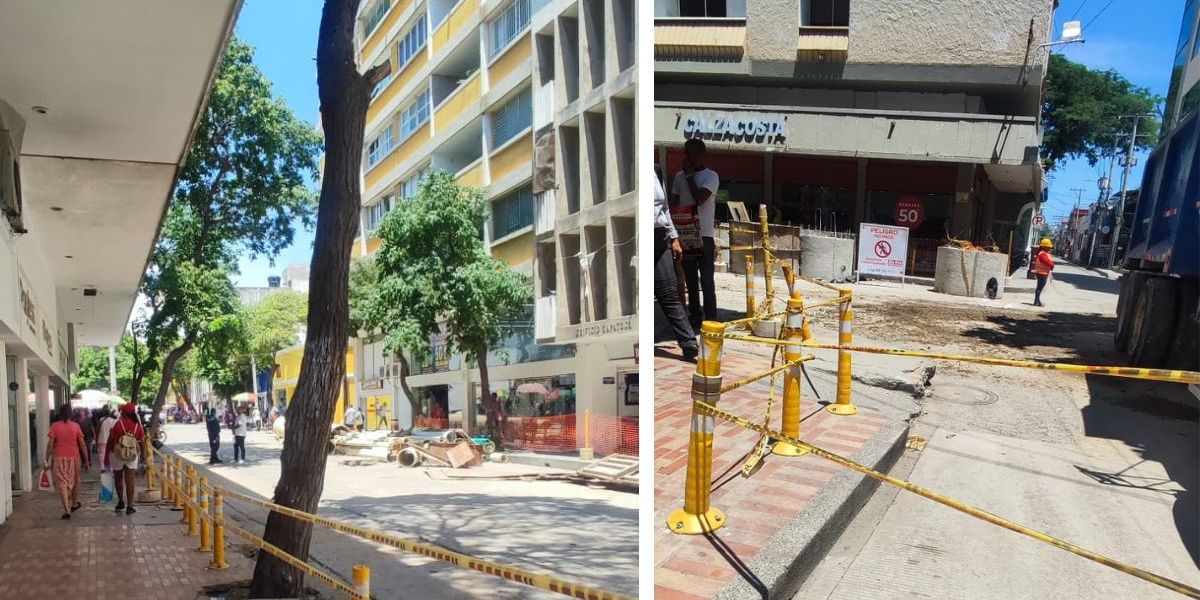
(909, 212)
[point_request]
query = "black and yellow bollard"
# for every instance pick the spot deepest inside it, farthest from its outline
(696, 516)
(843, 405)
(749, 285)
(218, 519)
(794, 332)
(362, 581)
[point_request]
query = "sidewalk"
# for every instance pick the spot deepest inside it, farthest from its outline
(100, 555)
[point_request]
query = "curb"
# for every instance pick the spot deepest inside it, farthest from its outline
(794, 551)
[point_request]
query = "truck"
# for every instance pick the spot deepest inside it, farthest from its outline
(1158, 318)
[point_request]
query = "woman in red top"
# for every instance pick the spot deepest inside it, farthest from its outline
(64, 453)
(125, 471)
(1042, 265)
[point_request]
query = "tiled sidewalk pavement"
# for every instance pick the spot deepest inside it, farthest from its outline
(692, 567)
(100, 555)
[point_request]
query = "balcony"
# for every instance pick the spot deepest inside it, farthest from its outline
(515, 156)
(381, 31)
(511, 59)
(544, 212)
(459, 18)
(515, 249)
(472, 176)
(709, 40)
(373, 244)
(462, 100)
(823, 44)
(399, 81)
(377, 174)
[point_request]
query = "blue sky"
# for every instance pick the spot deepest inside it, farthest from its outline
(1137, 39)
(1134, 37)
(284, 36)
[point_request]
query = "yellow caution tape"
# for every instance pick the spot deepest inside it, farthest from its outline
(708, 409)
(1176, 376)
(755, 318)
(292, 560)
(529, 578)
(764, 374)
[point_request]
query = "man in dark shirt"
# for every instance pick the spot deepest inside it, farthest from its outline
(214, 436)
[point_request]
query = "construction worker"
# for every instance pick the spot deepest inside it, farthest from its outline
(1043, 263)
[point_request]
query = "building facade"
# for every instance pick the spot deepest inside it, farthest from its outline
(486, 90)
(1183, 94)
(98, 106)
(833, 112)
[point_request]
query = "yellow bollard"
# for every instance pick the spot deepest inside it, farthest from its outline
(192, 528)
(793, 331)
(362, 581)
(790, 278)
(768, 263)
(205, 521)
(697, 516)
(844, 406)
(586, 452)
(151, 482)
(168, 489)
(749, 285)
(178, 483)
(218, 518)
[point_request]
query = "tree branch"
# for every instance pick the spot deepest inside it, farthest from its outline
(378, 73)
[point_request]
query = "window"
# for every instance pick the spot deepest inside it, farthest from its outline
(414, 115)
(374, 16)
(412, 43)
(825, 13)
(379, 147)
(409, 187)
(513, 19)
(512, 213)
(383, 83)
(377, 211)
(711, 9)
(514, 117)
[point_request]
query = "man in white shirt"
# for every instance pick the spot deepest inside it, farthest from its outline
(666, 251)
(696, 185)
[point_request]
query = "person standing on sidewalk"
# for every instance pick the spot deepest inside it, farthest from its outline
(214, 436)
(1043, 264)
(125, 443)
(107, 420)
(64, 453)
(666, 251)
(696, 185)
(239, 435)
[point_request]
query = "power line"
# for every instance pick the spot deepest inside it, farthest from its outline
(1099, 13)
(1077, 9)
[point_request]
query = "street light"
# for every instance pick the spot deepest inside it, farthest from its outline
(1072, 32)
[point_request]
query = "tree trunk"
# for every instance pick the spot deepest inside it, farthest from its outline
(491, 406)
(414, 403)
(165, 384)
(344, 95)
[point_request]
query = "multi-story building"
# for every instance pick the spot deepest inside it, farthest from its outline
(98, 106)
(485, 89)
(832, 112)
(294, 278)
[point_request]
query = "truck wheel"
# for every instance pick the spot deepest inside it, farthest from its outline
(1185, 348)
(1131, 283)
(1153, 322)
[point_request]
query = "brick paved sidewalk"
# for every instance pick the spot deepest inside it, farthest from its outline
(101, 555)
(693, 567)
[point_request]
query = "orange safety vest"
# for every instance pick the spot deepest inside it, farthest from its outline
(1043, 264)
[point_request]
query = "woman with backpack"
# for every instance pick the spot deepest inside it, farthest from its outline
(125, 448)
(64, 453)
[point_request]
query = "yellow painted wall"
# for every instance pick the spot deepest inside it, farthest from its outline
(472, 177)
(517, 155)
(399, 81)
(516, 251)
(373, 244)
(465, 97)
(453, 24)
(287, 370)
(407, 149)
(516, 56)
(376, 38)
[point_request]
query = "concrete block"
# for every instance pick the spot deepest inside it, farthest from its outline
(825, 256)
(970, 273)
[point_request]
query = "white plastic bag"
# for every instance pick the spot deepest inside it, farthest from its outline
(107, 487)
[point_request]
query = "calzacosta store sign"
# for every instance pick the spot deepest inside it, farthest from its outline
(744, 128)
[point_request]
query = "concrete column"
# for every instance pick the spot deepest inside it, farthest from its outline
(112, 369)
(772, 34)
(961, 213)
(6, 506)
(860, 194)
(42, 391)
(768, 181)
(24, 460)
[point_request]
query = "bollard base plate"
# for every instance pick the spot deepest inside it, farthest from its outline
(786, 449)
(842, 409)
(220, 567)
(686, 523)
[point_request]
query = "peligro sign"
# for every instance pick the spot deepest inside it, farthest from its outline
(749, 128)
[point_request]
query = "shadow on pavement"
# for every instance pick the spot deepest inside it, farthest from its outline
(735, 561)
(1086, 339)
(1088, 281)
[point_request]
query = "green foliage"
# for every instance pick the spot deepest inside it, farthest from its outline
(1081, 109)
(273, 324)
(364, 280)
(131, 357)
(222, 356)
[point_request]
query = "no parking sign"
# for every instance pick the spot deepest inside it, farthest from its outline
(881, 249)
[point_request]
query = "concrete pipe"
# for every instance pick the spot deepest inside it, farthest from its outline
(499, 457)
(450, 437)
(409, 458)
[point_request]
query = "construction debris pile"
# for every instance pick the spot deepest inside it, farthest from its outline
(430, 447)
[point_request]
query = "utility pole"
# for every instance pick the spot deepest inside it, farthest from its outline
(254, 378)
(112, 370)
(1112, 255)
(1072, 221)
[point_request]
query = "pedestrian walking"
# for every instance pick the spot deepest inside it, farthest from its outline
(64, 453)
(125, 443)
(239, 435)
(1043, 264)
(107, 420)
(666, 251)
(214, 436)
(696, 186)
(256, 418)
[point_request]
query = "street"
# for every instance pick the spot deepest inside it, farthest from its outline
(1103, 463)
(581, 533)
